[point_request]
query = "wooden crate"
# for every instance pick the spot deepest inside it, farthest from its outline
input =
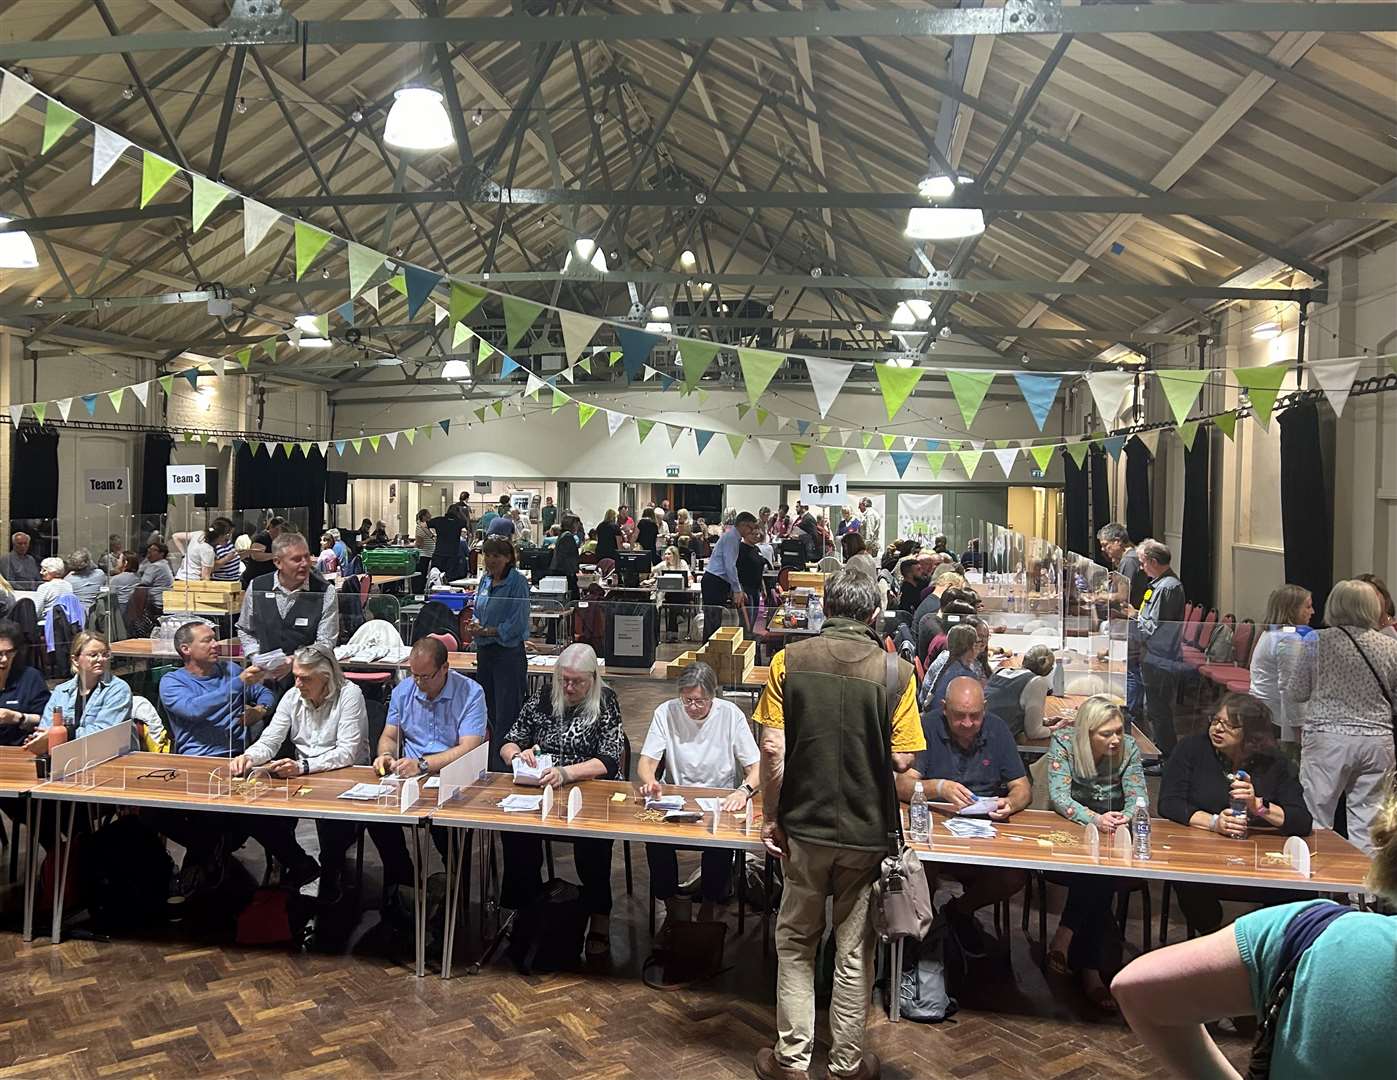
(723, 642)
(801, 579)
(739, 665)
(679, 663)
(195, 596)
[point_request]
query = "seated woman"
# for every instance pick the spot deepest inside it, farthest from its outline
(324, 717)
(23, 692)
(578, 725)
(674, 563)
(1094, 778)
(92, 699)
(328, 561)
(962, 653)
(1201, 780)
(1018, 695)
(702, 741)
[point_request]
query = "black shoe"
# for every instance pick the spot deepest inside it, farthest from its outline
(301, 872)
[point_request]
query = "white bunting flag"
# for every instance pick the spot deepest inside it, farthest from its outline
(370, 296)
(1108, 389)
(392, 438)
(1006, 459)
(1150, 439)
(141, 390)
(14, 92)
(1335, 378)
(218, 363)
(257, 222)
(674, 431)
(16, 415)
(768, 447)
(533, 385)
(578, 331)
(909, 443)
(64, 404)
(614, 420)
(439, 314)
(324, 448)
(781, 423)
(827, 378)
(566, 374)
(107, 146)
(866, 459)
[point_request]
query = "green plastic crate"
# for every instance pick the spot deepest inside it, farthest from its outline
(390, 560)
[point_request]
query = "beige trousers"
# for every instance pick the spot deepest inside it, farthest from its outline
(814, 871)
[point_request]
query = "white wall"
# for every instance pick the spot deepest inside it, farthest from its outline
(591, 501)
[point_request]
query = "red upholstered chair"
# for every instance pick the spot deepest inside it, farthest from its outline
(449, 640)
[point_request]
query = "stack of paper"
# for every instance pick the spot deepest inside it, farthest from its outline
(532, 775)
(981, 807)
(270, 661)
(521, 804)
(964, 828)
(665, 802)
(709, 806)
(366, 792)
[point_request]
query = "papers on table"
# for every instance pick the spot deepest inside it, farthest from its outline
(548, 660)
(371, 653)
(520, 804)
(531, 775)
(981, 807)
(964, 827)
(367, 792)
(709, 806)
(665, 802)
(432, 782)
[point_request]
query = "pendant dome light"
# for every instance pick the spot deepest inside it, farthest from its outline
(17, 249)
(418, 120)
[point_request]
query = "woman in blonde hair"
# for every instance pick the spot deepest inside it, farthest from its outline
(1288, 615)
(1094, 777)
(1337, 1018)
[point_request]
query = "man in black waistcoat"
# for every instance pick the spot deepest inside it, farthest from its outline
(287, 609)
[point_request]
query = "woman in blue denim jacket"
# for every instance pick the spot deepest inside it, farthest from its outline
(92, 699)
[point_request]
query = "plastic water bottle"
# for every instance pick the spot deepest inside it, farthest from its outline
(815, 613)
(918, 816)
(1239, 807)
(1140, 830)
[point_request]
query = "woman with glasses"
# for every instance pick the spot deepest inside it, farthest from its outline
(92, 699)
(697, 740)
(578, 726)
(23, 692)
(1094, 778)
(1202, 781)
(500, 626)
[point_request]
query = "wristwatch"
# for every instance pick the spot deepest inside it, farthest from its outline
(423, 767)
(748, 788)
(1263, 807)
(1213, 825)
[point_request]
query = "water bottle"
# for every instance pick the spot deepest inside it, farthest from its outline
(918, 816)
(815, 613)
(1140, 830)
(1239, 807)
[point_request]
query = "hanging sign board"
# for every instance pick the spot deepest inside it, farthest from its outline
(184, 479)
(823, 490)
(107, 487)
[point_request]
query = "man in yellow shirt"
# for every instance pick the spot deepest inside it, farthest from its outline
(832, 739)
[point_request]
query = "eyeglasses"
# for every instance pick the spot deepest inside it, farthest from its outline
(160, 774)
(422, 680)
(1223, 723)
(7, 654)
(102, 656)
(696, 703)
(576, 680)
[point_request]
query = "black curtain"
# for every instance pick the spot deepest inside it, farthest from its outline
(266, 481)
(1306, 528)
(34, 474)
(1074, 504)
(154, 458)
(1195, 563)
(1100, 504)
(1139, 508)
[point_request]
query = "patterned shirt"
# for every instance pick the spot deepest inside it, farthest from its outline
(1343, 693)
(1110, 789)
(571, 739)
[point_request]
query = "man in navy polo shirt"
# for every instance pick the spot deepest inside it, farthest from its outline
(969, 756)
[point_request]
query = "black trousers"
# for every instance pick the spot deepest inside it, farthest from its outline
(503, 673)
(200, 834)
(393, 853)
(717, 595)
(1161, 690)
(523, 863)
(1202, 904)
(1087, 913)
(715, 871)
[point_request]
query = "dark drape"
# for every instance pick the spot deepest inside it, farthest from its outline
(1306, 528)
(1074, 504)
(1139, 511)
(34, 474)
(1100, 503)
(154, 457)
(267, 481)
(1195, 563)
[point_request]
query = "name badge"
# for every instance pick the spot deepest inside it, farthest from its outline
(302, 622)
(271, 596)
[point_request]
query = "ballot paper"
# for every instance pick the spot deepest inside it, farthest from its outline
(520, 804)
(665, 802)
(533, 777)
(432, 782)
(981, 807)
(964, 828)
(270, 661)
(366, 792)
(709, 806)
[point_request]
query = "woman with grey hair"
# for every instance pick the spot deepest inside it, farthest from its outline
(697, 740)
(1019, 695)
(577, 725)
(1347, 673)
(87, 579)
(324, 717)
(52, 585)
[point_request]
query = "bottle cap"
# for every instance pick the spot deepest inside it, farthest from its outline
(917, 787)
(1140, 801)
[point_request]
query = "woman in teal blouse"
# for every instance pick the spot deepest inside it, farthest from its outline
(500, 625)
(1094, 777)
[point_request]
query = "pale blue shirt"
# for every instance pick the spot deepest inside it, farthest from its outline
(430, 725)
(723, 561)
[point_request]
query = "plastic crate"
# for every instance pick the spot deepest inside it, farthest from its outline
(390, 560)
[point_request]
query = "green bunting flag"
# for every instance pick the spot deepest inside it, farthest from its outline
(115, 396)
(398, 283)
(207, 195)
(969, 388)
(364, 262)
(834, 455)
(758, 367)
(483, 351)
(897, 384)
(1077, 451)
(460, 334)
(411, 434)
(310, 241)
(374, 440)
(519, 315)
(798, 451)
(1042, 455)
(245, 357)
(498, 406)
(358, 445)
(465, 298)
(585, 364)
(1263, 385)
(695, 356)
(969, 459)
(614, 357)
(1188, 432)
(480, 414)
(1227, 423)
(735, 443)
(937, 461)
(644, 427)
(742, 411)
(865, 437)
(1181, 389)
(888, 441)
(167, 383)
(155, 174)
(40, 409)
(584, 413)
(269, 347)
(559, 399)
(58, 118)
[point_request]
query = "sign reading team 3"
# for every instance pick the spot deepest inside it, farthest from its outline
(823, 490)
(184, 479)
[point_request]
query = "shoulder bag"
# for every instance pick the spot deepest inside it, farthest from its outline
(901, 895)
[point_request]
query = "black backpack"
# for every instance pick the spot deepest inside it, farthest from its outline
(126, 875)
(548, 934)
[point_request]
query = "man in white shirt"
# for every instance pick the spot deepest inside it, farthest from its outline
(703, 741)
(871, 526)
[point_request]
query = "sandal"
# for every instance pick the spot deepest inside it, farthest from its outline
(1100, 996)
(602, 943)
(1057, 962)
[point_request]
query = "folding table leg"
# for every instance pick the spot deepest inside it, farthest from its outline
(420, 869)
(33, 821)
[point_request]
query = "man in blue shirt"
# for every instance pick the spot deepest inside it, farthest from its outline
(970, 755)
(434, 717)
(719, 586)
(209, 711)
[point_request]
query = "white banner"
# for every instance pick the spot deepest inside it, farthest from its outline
(107, 487)
(823, 490)
(184, 479)
(918, 515)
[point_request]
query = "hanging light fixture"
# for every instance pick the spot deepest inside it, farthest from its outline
(586, 250)
(687, 260)
(943, 222)
(16, 249)
(418, 120)
(909, 313)
(456, 369)
(657, 325)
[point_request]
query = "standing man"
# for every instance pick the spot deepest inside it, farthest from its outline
(19, 567)
(549, 514)
(830, 821)
(286, 609)
(720, 586)
(871, 527)
(1128, 593)
(1160, 627)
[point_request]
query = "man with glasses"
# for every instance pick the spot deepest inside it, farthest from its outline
(701, 740)
(434, 717)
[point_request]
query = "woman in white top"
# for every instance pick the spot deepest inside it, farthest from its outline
(52, 585)
(673, 562)
(1288, 615)
(199, 555)
(700, 740)
(325, 719)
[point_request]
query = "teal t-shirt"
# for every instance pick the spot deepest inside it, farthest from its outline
(1338, 1022)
